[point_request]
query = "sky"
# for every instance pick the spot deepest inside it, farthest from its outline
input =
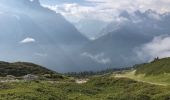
(90, 17)
(105, 10)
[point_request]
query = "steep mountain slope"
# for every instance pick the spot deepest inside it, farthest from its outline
(41, 23)
(90, 27)
(37, 34)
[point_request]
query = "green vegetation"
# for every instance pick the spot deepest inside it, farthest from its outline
(87, 74)
(162, 79)
(144, 82)
(22, 68)
(156, 72)
(27, 71)
(156, 67)
(97, 88)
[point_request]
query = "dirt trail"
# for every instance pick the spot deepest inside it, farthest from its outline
(153, 83)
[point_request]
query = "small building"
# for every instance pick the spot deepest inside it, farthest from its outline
(30, 77)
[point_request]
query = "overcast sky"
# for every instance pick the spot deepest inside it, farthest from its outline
(105, 10)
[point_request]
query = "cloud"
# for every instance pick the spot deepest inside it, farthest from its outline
(100, 58)
(108, 10)
(72, 11)
(75, 12)
(27, 40)
(158, 47)
(155, 16)
(158, 5)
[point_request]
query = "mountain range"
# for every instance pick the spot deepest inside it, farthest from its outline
(119, 40)
(40, 35)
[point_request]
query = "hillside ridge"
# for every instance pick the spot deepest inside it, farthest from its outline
(156, 67)
(22, 68)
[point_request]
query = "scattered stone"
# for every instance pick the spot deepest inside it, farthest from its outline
(30, 77)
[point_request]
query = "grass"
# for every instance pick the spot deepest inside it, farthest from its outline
(156, 67)
(156, 72)
(147, 82)
(19, 69)
(97, 88)
(162, 79)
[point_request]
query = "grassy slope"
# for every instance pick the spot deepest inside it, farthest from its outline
(153, 86)
(98, 88)
(163, 79)
(156, 72)
(22, 68)
(157, 67)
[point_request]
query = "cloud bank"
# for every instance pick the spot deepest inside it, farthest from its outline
(99, 58)
(107, 10)
(158, 47)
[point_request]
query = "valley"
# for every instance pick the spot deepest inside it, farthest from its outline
(84, 50)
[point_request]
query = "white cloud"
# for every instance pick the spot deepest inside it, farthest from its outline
(27, 40)
(73, 12)
(100, 58)
(158, 47)
(108, 10)
(158, 5)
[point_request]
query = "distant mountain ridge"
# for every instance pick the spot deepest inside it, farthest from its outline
(118, 41)
(153, 22)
